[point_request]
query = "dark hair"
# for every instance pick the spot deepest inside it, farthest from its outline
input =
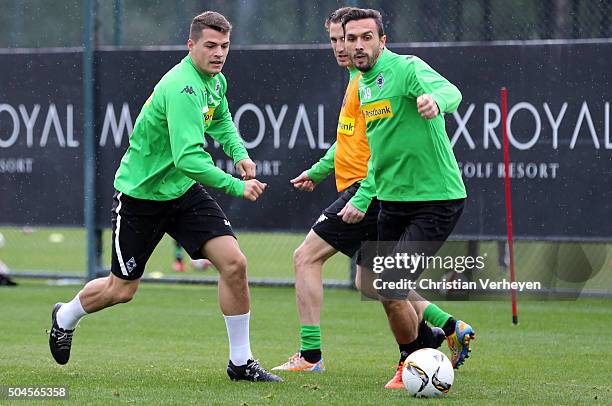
(208, 19)
(336, 16)
(362, 14)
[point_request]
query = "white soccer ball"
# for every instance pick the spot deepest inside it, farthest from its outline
(2, 240)
(427, 373)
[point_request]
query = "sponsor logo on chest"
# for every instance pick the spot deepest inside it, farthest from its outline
(378, 110)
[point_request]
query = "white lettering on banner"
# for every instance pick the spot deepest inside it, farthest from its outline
(555, 122)
(72, 143)
(567, 128)
(16, 165)
(322, 144)
(53, 120)
(518, 170)
(529, 170)
(260, 119)
(492, 121)
(584, 112)
(110, 122)
(263, 167)
(301, 118)
(607, 126)
(462, 128)
(538, 126)
(276, 122)
(6, 143)
(29, 122)
(489, 127)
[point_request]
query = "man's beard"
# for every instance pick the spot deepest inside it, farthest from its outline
(370, 61)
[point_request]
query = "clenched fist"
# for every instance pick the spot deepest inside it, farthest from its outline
(253, 189)
(427, 106)
(246, 169)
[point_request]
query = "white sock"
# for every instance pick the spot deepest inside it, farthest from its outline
(69, 315)
(238, 335)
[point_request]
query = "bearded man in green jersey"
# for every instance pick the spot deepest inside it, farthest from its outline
(160, 190)
(417, 179)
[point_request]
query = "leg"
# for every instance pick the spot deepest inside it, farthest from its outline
(132, 220)
(234, 301)
(231, 264)
(403, 320)
(308, 261)
(106, 292)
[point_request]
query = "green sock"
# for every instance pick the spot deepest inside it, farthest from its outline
(436, 316)
(310, 337)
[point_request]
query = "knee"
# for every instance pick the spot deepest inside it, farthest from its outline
(303, 257)
(397, 307)
(123, 294)
(235, 268)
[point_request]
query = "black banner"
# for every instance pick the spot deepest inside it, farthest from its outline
(286, 102)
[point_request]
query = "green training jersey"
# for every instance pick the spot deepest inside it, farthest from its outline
(412, 158)
(166, 154)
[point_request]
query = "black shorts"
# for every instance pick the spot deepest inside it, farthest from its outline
(413, 228)
(344, 237)
(139, 225)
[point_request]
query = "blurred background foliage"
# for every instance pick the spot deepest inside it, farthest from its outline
(43, 23)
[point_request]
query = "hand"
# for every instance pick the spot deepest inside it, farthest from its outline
(350, 214)
(253, 189)
(246, 169)
(303, 182)
(427, 106)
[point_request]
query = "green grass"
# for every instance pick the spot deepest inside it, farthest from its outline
(168, 346)
(269, 254)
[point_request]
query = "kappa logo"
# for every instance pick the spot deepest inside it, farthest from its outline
(217, 87)
(380, 81)
(321, 218)
(131, 264)
(188, 90)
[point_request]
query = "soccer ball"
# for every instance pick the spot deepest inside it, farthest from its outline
(427, 373)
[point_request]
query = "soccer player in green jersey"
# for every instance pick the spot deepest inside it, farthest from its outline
(160, 189)
(417, 179)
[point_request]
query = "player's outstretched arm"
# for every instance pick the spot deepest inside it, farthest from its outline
(186, 143)
(321, 170)
(308, 180)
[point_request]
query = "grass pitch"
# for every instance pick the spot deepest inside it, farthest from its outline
(168, 346)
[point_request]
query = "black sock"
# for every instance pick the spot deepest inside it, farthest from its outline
(449, 326)
(311, 356)
(425, 337)
(407, 349)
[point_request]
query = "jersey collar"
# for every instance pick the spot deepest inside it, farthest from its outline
(203, 76)
(379, 65)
